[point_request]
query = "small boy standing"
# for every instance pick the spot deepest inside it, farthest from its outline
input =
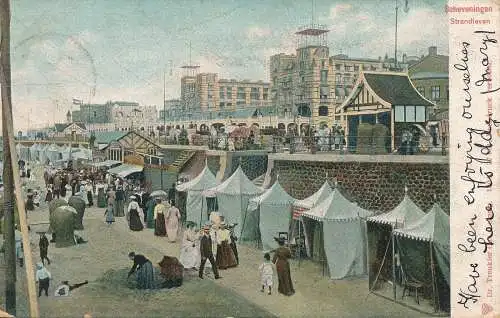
(266, 273)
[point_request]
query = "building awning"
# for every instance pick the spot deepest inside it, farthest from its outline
(107, 163)
(125, 170)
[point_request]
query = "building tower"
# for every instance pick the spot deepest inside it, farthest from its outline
(68, 117)
(312, 86)
(189, 100)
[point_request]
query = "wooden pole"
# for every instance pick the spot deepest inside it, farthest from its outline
(11, 169)
(433, 278)
(9, 218)
(393, 265)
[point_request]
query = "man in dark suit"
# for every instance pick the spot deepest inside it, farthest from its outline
(206, 252)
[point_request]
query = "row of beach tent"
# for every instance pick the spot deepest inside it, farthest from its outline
(52, 153)
(351, 237)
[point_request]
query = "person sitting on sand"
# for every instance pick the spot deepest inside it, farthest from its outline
(65, 288)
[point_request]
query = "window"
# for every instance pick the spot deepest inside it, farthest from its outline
(229, 104)
(210, 91)
(337, 67)
(399, 114)
(435, 93)
(420, 114)
(348, 68)
(221, 93)
(221, 105)
(410, 114)
(356, 68)
(323, 64)
(254, 93)
(323, 111)
(338, 78)
(241, 93)
(240, 102)
(324, 76)
(347, 80)
(265, 93)
(324, 92)
(229, 93)
(421, 90)
(95, 114)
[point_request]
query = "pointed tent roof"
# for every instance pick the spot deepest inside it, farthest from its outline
(336, 207)
(275, 195)
(434, 226)
(237, 183)
(203, 181)
(316, 198)
(405, 213)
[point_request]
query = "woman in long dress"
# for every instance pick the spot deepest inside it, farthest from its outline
(90, 196)
(190, 256)
(135, 223)
(281, 256)
(150, 208)
(159, 217)
(101, 196)
(225, 256)
(172, 223)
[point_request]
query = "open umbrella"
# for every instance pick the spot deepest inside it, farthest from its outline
(159, 193)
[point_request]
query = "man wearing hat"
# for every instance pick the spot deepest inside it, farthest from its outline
(206, 252)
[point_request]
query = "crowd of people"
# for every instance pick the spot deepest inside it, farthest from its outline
(213, 246)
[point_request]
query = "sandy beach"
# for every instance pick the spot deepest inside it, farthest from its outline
(103, 262)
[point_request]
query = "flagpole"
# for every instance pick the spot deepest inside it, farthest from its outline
(396, 39)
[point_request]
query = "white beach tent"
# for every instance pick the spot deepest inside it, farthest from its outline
(196, 209)
(273, 214)
(381, 246)
(299, 206)
(53, 153)
(233, 196)
(42, 153)
(311, 201)
(64, 152)
(406, 212)
(344, 234)
(34, 152)
(424, 244)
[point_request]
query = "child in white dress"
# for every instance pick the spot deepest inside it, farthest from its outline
(266, 273)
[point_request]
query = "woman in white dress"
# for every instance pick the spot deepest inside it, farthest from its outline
(190, 256)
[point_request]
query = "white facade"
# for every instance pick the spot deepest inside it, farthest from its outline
(127, 117)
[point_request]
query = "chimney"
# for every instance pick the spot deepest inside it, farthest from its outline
(433, 50)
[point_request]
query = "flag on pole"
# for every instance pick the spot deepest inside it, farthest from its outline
(406, 9)
(77, 101)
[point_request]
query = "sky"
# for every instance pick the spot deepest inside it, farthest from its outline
(104, 50)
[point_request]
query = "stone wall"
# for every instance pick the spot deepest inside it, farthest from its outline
(376, 186)
(195, 165)
(213, 163)
(253, 164)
